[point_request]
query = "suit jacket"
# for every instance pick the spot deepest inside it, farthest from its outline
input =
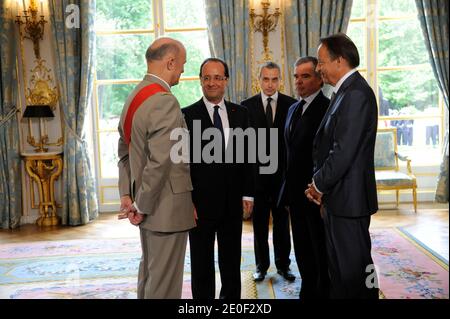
(343, 151)
(257, 117)
(218, 187)
(299, 144)
(160, 188)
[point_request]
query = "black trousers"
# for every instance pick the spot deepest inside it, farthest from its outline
(352, 272)
(309, 245)
(264, 204)
(201, 240)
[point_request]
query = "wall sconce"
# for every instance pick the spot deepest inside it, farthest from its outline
(33, 27)
(264, 23)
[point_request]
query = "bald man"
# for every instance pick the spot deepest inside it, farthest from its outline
(155, 192)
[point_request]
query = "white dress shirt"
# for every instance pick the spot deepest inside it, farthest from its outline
(223, 116)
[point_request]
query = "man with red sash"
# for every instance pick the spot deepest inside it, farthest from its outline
(156, 192)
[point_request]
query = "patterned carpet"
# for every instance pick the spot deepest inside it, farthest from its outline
(107, 269)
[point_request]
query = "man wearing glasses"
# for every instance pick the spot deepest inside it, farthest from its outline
(222, 190)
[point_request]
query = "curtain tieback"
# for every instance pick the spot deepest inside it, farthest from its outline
(9, 116)
(71, 130)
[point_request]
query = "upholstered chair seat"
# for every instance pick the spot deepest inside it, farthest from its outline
(387, 172)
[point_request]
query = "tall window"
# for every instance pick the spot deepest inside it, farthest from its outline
(395, 62)
(124, 31)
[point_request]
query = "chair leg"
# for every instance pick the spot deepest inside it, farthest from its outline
(415, 199)
(397, 196)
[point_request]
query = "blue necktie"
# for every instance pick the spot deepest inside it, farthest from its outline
(218, 124)
(217, 119)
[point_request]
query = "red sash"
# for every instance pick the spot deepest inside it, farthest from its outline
(137, 101)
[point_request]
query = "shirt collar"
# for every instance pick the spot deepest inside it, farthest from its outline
(310, 98)
(345, 77)
(265, 97)
(210, 105)
(151, 74)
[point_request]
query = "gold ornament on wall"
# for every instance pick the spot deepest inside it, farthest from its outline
(41, 91)
(264, 23)
(41, 95)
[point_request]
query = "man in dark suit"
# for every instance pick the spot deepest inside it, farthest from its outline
(302, 122)
(344, 175)
(268, 109)
(222, 190)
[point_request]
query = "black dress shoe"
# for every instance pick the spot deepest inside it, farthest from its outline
(287, 274)
(259, 276)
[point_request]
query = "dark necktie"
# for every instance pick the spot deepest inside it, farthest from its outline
(218, 124)
(297, 115)
(269, 114)
(333, 95)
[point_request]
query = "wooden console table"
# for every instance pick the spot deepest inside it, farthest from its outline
(44, 168)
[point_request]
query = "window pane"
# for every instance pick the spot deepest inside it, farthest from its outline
(358, 9)
(108, 154)
(111, 98)
(122, 56)
(184, 14)
(356, 32)
(123, 14)
(419, 139)
(408, 92)
(187, 92)
(392, 48)
(396, 8)
(197, 48)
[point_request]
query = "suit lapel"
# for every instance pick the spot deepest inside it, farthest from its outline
(287, 133)
(260, 114)
(203, 114)
(310, 108)
(337, 100)
(231, 112)
(327, 114)
(278, 110)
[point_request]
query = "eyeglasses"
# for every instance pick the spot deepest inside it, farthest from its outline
(215, 78)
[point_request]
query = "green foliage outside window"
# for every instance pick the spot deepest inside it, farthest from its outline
(400, 44)
(122, 56)
(123, 14)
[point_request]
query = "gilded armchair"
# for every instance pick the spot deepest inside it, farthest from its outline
(387, 173)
